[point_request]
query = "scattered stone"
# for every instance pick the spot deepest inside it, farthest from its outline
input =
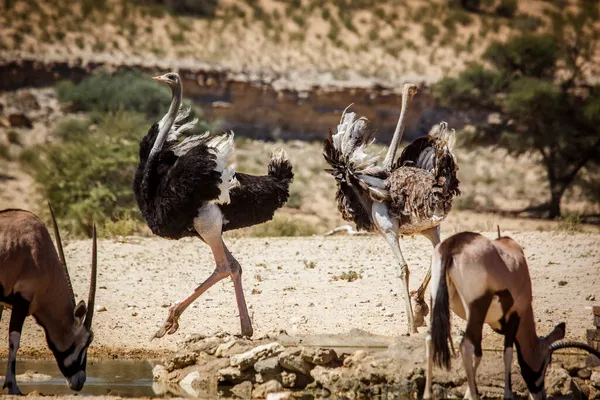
(580, 389)
(159, 373)
(242, 390)
(223, 347)
(584, 373)
(32, 376)
(288, 379)
(181, 360)
(279, 396)
(562, 283)
(558, 381)
(291, 360)
(268, 366)
(233, 375)
(595, 379)
(249, 358)
(318, 356)
(100, 309)
(261, 391)
(208, 346)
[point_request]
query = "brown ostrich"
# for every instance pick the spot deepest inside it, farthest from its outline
(409, 196)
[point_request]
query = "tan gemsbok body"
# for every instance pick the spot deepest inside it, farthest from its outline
(487, 281)
(34, 281)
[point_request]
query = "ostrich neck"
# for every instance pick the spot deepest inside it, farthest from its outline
(167, 121)
(391, 154)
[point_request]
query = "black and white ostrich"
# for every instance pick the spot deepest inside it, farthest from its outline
(185, 188)
(412, 195)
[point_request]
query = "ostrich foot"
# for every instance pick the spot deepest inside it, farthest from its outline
(171, 324)
(420, 309)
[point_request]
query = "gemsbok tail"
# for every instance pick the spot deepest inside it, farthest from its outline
(440, 318)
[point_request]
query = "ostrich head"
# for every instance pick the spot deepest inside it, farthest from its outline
(410, 89)
(171, 79)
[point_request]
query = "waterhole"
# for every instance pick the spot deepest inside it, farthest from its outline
(115, 377)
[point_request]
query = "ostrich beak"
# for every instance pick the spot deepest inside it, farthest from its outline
(160, 78)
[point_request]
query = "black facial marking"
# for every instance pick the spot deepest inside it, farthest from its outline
(79, 364)
(477, 312)
(529, 375)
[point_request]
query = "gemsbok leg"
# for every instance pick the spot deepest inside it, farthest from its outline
(19, 312)
(470, 346)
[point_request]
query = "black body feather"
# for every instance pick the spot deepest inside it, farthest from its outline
(170, 190)
(256, 198)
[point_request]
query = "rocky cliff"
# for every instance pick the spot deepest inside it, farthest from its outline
(258, 105)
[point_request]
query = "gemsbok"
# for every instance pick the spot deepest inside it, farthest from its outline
(487, 281)
(34, 280)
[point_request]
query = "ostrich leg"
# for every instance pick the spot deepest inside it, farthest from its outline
(208, 225)
(388, 228)
(420, 306)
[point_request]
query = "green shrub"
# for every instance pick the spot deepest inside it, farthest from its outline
(278, 226)
(126, 225)
(87, 178)
(13, 138)
(430, 31)
(127, 91)
(570, 223)
(529, 54)
(527, 23)
(5, 152)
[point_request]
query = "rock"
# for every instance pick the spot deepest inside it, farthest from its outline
(223, 347)
(243, 390)
(250, 357)
(208, 346)
(100, 309)
(20, 120)
(233, 375)
(187, 383)
(267, 366)
(159, 373)
(595, 379)
(261, 391)
(325, 377)
(584, 373)
(318, 356)
(558, 381)
(580, 390)
(181, 360)
(288, 379)
(292, 361)
(279, 396)
(32, 376)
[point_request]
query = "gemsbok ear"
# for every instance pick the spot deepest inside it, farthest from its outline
(557, 333)
(80, 311)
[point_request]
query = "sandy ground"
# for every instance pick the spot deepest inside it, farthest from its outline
(290, 284)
